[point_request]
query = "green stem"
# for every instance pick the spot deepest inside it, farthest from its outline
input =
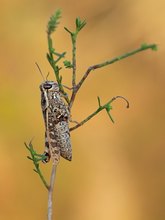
(143, 47)
(87, 119)
(74, 36)
(106, 63)
(100, 108)
(36, 164)
(42, 178)
(55, 67)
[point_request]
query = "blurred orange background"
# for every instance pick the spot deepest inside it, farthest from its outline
(118, 170)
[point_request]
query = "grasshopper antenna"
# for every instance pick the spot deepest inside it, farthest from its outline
(40, 71)
(47, 76)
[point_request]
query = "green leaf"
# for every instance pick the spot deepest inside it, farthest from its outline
(99, 102)
(144, 46)
(35, 171)
(68, 64)
(62, 55)
(33, 152)
(37, 165)
(108, 107)
(110, 116)
(68, 30)
(60, 80)
(154, 47)
(53, 22)
(52, 50)
(29, 158)
(49, 59)
(56, 68)
(26, 146)
(79, 24)
(30, 145)
(59, 54)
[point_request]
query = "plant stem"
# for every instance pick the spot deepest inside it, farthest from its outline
(74, 36)
(100, 108)
(50, 193)
(73, 96)
(42, 178)
(106, 63)
(118, 58)
(36, 164)
(55, 68)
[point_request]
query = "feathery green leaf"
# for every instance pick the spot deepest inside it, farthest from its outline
(80, 24)
(53, 22)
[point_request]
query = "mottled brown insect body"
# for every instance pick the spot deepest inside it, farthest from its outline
(56, 116)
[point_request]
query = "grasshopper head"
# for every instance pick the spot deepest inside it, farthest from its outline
(49, 86)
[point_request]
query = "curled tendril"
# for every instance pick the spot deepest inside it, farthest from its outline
(121, 97)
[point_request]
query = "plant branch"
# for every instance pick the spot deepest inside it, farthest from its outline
(79, 26)
(56, 69)
(118, 58)
(51, 27)
(36, 158)
(106, 106)
(74, 37)
(50, 192)
(106, 63)
(73, 96)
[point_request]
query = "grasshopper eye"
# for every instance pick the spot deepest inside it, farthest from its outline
(47, 86)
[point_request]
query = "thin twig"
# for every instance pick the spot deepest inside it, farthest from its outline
(50, 193)
(106, 106)
(74, 36)
(73, 96)
(93, 67)
(118, 58)
(56, 69)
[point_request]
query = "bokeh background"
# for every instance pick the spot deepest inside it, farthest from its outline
(118, 170)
